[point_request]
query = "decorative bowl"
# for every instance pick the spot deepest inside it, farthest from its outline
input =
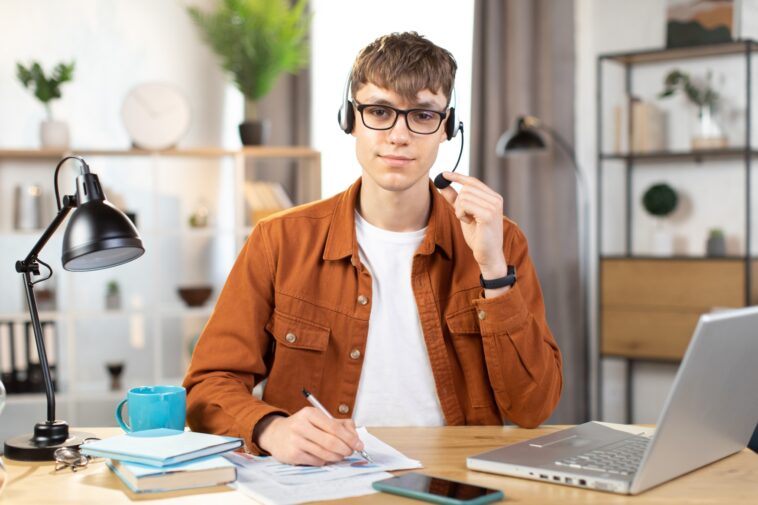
(195, 296)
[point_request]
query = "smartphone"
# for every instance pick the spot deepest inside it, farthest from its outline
(437, 490)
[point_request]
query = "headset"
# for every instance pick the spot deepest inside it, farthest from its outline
(346, 119)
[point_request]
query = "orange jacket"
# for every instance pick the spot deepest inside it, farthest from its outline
(295, 309)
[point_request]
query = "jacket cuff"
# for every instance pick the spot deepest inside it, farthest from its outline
(252, 420)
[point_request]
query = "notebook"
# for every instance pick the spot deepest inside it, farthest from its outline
(160, 447)
(206, 472)
(710, 413)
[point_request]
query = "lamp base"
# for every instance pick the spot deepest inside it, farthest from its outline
(42, 444)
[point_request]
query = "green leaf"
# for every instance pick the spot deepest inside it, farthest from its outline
(256, 40)
(44, 88)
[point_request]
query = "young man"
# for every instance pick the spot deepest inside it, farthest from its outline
(371, 299)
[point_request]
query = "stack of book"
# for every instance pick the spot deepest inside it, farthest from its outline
(167, 460)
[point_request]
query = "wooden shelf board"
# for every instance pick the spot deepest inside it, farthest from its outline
(210, 152)
(700, 155)
(657, 55)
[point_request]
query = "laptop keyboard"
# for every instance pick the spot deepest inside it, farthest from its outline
(621, 458)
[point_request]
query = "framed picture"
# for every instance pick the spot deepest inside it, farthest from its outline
(698, 22)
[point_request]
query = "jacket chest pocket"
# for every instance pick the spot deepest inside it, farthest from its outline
(467, 340)
(299, 359)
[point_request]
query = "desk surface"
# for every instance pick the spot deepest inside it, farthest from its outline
(443, 452)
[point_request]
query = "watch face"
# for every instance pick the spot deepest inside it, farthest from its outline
(156, 115)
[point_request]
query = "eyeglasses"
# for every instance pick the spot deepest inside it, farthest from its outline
(384, 117)
(70, 457)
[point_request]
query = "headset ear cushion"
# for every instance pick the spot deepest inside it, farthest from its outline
(451, 125)
(346, 117)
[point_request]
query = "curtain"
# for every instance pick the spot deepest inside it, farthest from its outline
(524, 64)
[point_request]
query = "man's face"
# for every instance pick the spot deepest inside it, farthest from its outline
(397, 159)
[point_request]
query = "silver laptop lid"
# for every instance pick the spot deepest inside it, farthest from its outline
(712, 407)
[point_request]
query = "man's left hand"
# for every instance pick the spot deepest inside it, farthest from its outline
(480, 211)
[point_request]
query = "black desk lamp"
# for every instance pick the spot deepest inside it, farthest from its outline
(525, 138)
(98, 236)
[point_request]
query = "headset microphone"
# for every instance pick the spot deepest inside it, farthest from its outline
(439, 181)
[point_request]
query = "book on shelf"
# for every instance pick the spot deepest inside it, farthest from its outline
(161, 447)
(205, 472)
(265, 198)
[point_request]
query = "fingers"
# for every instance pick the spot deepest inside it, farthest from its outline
(337, 435)
(467, 181)
(476, 202)
(309, 437)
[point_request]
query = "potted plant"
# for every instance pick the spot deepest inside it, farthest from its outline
(112, 295)
(716, 243)
(660, 200)
(708, 133)
(256, 40)
(53, 134)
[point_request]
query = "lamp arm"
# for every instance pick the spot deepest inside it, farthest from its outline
(69, 202)
(27, 267)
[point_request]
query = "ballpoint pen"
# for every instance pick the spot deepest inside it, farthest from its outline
(313, 401)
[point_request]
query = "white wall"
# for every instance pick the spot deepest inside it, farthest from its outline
(116, 45)
(340, 30)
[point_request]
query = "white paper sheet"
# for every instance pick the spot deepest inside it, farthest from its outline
(274, 483)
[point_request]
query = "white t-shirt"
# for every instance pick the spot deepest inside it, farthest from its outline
(396, 386)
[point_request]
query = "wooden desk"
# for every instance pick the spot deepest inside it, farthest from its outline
(443, 452)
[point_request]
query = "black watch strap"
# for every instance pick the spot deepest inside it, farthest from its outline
(508, 280)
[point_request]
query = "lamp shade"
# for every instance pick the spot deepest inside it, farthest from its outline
(523, 137)
(98, 234)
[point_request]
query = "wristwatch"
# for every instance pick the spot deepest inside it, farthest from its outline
(508, 280)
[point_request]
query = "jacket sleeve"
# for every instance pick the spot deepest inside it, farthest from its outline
(522, 357)
(230, 357)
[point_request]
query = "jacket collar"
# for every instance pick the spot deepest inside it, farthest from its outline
(341, 241)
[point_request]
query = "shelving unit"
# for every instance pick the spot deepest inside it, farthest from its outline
(153, 329)
(649, 305)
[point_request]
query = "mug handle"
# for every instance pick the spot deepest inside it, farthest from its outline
(120, 419)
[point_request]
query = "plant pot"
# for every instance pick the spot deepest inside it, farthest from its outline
(254, 133)
(715, 246)
(54, 135)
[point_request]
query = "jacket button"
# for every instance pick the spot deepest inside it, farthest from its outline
(343, 409)
(362, 299)
(355, 353)
(290, 337)
(482, 315)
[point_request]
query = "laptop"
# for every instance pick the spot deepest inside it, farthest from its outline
(710, 413)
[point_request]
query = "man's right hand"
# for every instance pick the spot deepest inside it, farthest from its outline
(309, 437)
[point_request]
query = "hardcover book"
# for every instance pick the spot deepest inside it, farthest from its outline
(206, 472)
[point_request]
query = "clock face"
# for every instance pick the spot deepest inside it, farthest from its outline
(156, 115)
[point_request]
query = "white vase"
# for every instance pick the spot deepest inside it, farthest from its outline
(663, 241)
(708, 133)
(54, 135)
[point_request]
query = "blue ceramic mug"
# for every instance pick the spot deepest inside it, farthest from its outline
(152, 407)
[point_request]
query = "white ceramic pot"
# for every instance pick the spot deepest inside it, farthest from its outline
(663, 243)
(54, 135)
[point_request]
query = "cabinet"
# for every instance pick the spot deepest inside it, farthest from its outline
(152, 330)
(649, 305)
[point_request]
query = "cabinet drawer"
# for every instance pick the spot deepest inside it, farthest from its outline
(673, 284)
(647, 333)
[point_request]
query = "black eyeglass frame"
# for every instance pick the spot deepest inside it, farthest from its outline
(363, 106)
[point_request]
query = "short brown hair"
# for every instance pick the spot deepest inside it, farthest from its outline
(405, 63)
